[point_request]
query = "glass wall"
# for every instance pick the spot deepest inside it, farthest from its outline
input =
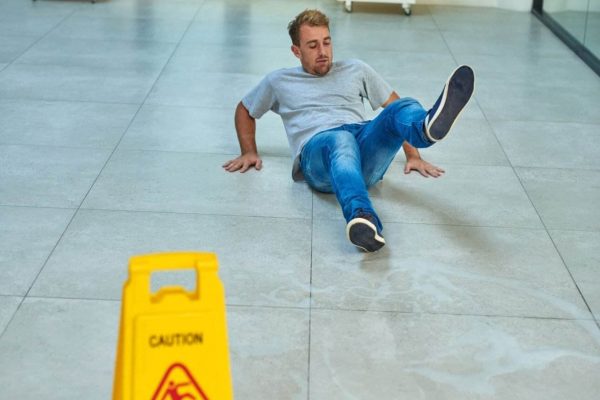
(577, 23)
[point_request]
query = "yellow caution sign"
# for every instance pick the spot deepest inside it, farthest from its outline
(173, 344)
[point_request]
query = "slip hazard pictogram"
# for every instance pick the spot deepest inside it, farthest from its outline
(178, 384)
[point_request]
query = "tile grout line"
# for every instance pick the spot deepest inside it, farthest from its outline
(312, 234)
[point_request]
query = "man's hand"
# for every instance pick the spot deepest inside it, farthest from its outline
(423, 167)
(243, 163)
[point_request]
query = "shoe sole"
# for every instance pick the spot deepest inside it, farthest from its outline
(363, 234)
(457, 92)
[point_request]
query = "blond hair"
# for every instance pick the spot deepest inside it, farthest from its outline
(306, 17)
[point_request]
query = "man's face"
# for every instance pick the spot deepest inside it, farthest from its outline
(315, 50)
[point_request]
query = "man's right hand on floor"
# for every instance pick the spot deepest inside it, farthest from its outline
(243, 163)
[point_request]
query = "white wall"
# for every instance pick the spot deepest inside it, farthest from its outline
(520, 5)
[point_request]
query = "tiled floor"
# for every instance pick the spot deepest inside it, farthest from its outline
(115, 119)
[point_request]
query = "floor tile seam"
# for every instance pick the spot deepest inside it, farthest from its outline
(37, 207)
(555, 168)
(4, 98)
(119, 300)
(449, 314)
(310, 298)
(573, 230)
(538, 120)
(53, 146)
(127, 18)
(11, 100)
(40, 38)
(11, 295)
(92, 68)
(82, 15)
(462, 164)
(570, 169)
(94, 40)
(455, 225)
(85, 209)
(582, 85)
(72, 299)
(555, 122)
(190, 152)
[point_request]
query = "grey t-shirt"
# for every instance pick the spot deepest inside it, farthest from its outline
(309, 104)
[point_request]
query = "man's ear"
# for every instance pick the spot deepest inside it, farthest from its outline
(296, 50)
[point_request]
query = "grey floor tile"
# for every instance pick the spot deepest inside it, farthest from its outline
(549, 144)
(465, 195)
(23, 10)
(471, 142)
(251, 33)
(262, 261)
(210, 89)
(203, 130)
(269, 352)
(48, 176)
(62, 123)
(138, 56)
(444, 269)
(533, 102)
(242, 13)
(21, 24)
(396, 65)
(173, 9)
(27, 236)
(64, 82)
(12, 47)
(60, 349)
(152, 30)
(563, 72)
(8, 306)
(230, 58)
(188, 182)
(377, 38)
(391, 356)
(581, 252)
(538, 43)
(565, 199)
(476, 19)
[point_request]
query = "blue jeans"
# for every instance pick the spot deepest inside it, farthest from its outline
(350, 158)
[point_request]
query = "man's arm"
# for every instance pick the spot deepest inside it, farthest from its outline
(414, 162)
(245, 127)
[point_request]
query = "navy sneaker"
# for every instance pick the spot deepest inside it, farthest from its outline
(454, 97)
(362, 232)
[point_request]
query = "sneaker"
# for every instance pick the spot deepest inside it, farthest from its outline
(454, 97)
(362, 232)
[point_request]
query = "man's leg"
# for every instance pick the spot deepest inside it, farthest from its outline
(406, 120)
(381, 139)
(330, 162)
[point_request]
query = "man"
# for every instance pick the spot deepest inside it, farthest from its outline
(334, 149)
